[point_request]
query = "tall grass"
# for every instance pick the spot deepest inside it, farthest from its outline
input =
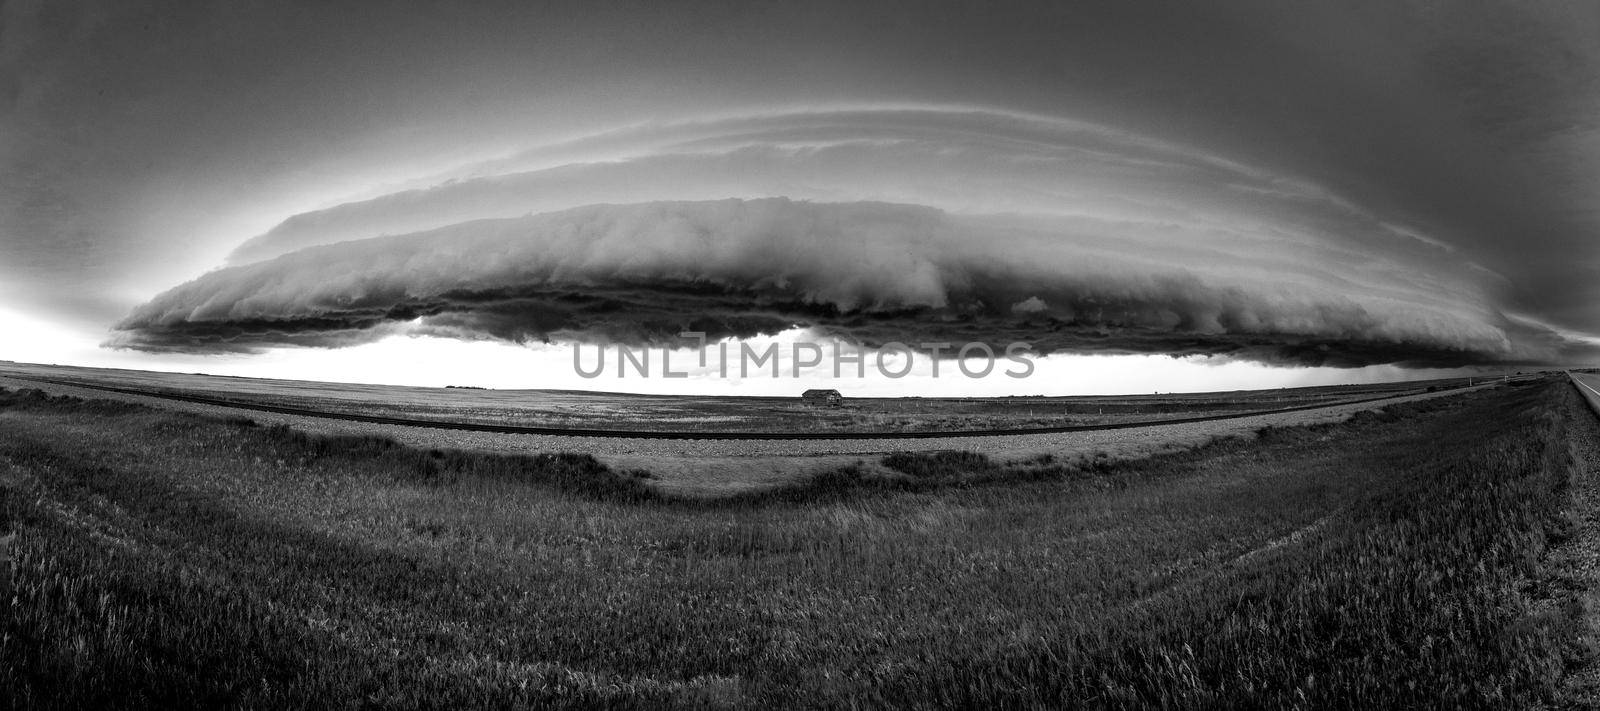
(165, 560)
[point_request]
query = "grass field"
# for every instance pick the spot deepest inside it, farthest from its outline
(621, 411)
(1394, 560)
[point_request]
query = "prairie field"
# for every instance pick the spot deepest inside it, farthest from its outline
(1414, 556)
(626, 411)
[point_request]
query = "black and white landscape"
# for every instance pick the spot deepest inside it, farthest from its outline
(750, 355)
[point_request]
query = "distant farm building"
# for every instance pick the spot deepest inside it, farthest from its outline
(822, 398)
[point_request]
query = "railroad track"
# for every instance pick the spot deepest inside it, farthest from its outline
(656, 434)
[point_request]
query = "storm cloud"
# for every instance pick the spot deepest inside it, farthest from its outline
(960, 160)
(1401, 182)
(867, 272)
(876, 225)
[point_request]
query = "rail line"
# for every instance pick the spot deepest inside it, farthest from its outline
(658, 434)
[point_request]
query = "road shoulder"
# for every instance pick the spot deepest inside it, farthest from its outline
(1575, 564)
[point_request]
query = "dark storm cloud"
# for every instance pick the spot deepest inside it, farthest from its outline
(1313, 138)
(868, 272)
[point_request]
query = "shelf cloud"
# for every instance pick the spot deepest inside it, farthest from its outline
(869, 272)
(1323, 183)
(961, 160)
(875, 224)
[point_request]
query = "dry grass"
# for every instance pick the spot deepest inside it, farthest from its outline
(688, 413)
(168, 560)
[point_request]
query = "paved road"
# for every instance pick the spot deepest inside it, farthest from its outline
(1588, 386)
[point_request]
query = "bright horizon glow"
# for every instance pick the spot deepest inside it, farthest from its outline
(438, 362)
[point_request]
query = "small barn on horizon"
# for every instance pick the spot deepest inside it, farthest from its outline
(822, 397)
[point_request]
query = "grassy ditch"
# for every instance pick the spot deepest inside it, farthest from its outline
(169, 560)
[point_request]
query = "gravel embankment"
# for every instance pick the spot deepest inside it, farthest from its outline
(1576, 562)
(728, 465)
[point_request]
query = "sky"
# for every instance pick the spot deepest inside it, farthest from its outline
(1155, 195)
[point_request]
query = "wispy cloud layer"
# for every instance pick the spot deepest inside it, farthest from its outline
(959, 160)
